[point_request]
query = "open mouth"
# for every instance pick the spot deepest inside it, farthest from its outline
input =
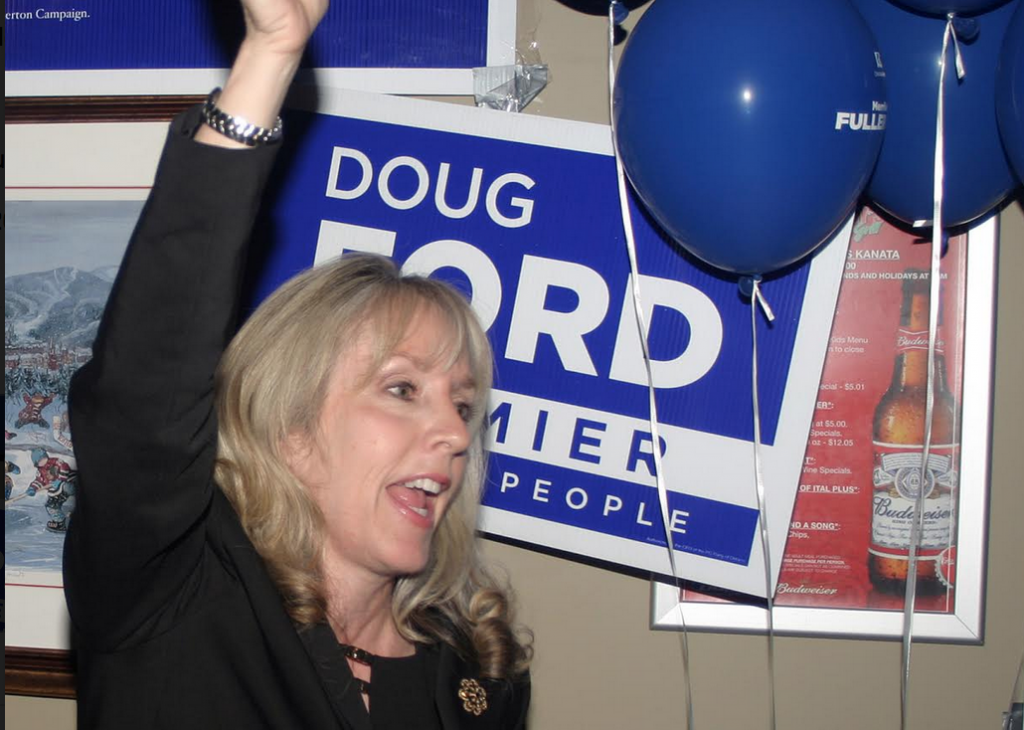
(418, 496)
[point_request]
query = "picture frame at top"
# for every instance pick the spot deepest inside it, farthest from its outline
(72, 195)
(832, 581)
(95, 109)
(403, 47)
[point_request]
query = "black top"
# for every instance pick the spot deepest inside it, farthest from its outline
(401, 694)
(176, 621)
(401, 689)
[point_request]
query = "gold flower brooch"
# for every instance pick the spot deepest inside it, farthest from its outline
(473, 696)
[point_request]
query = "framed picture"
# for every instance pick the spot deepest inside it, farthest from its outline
(72, 195)
(845, 560)
(397, 47)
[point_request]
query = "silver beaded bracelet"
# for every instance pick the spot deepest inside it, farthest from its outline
(238, 128)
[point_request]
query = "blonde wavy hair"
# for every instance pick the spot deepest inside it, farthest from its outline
(272, 382)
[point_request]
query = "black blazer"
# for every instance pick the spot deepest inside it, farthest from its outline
(176, 622)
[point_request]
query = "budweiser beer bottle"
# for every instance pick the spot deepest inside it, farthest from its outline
(899, 426)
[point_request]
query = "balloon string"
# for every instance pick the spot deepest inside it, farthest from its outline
(757, 299)
(961, 72)
(1018, 697)
(627, 224)
(917, 524)
(961, 69)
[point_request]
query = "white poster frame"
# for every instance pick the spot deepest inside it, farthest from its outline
(965, 624)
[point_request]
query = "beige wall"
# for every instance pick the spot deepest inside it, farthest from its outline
(598, 665)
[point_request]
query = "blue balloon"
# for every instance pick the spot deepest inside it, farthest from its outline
(1010, 92)
(978, 175)
(944, 7)
(749, 128)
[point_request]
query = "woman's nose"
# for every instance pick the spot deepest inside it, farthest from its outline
(449, 428)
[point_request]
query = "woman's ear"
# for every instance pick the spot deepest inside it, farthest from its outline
(302, 457)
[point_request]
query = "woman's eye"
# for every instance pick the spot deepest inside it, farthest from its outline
(405, 391)
(466, 411)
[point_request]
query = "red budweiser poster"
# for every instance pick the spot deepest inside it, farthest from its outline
(850, 535)
(850, 532)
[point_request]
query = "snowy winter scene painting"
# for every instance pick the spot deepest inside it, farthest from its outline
(60, 260)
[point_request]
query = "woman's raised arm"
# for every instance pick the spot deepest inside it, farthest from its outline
(142, 410)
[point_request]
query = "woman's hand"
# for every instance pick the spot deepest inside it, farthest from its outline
(276, 35)
(282, 26)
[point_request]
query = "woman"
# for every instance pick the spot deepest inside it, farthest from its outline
(288, 544)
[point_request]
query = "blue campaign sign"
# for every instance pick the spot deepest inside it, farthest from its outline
(123, 34)
(522, 213)
(89, 37)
